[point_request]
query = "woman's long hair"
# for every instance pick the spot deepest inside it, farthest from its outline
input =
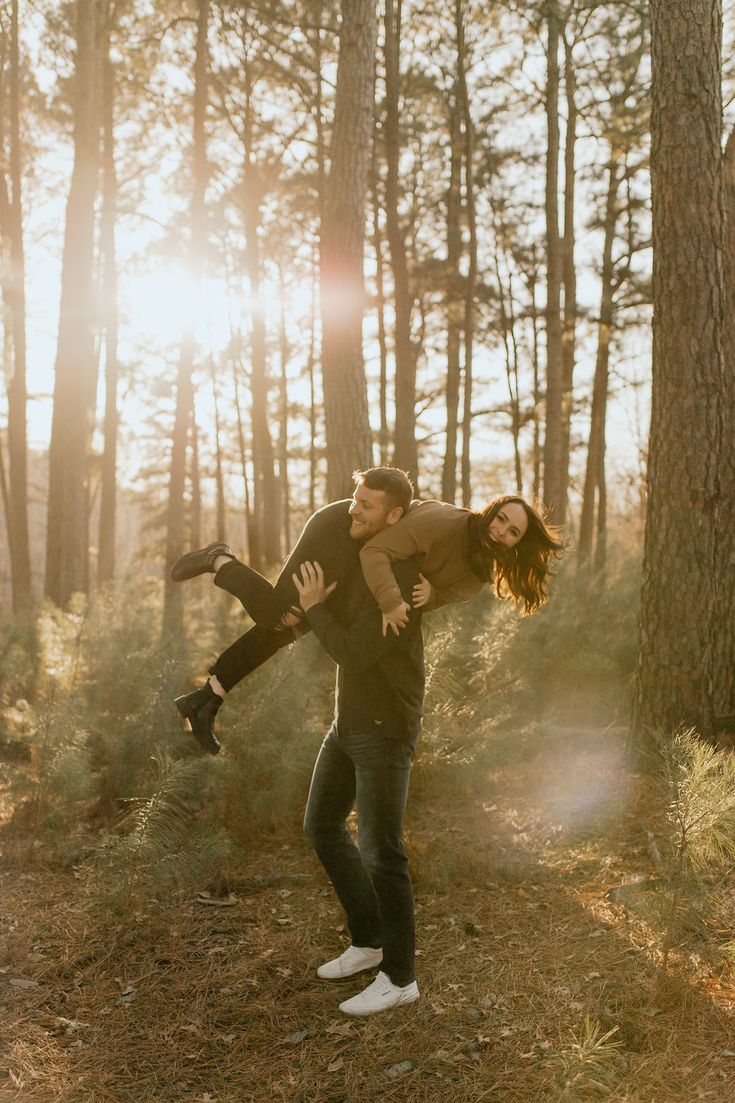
(521, 573)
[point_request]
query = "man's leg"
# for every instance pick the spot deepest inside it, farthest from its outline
(382, 769)
(331, 798)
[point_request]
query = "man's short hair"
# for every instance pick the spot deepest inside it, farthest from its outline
(394, 483)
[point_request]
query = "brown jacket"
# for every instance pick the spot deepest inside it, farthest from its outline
(434, 530)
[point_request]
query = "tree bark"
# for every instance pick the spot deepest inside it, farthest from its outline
(195, 481)
(681, 609)
(108, 498)
(380, 310)
(724, 665)
(594, 480)
(283, 355)
(76, 363)
(265, 484)
(405, 451)
(568, 341)
(14, 295)
(172, 611)
(349, 441)
(471, 282)
(218, 473)
(553, 439)
(255, 557)
(454, 303)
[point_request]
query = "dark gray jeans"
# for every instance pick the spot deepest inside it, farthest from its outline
(369, 772)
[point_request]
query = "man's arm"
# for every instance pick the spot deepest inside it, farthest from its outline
(358, 646)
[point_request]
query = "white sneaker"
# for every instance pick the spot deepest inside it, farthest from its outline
(353, 960)
(381, 995)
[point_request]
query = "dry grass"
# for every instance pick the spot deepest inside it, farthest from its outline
(524, 965)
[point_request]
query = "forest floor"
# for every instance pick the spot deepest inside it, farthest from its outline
(525, 963)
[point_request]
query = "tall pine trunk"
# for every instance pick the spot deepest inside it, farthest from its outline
(471, 282)
(553, 438)
(108, 498)
(76, 363)
(175, 514)
(266, 497)
(681, 608)
(724, 665)
(454, 304)
(349, 442)
(14, 295)
(380, 309)
(568, 343)
(594, 480)
(405, 451)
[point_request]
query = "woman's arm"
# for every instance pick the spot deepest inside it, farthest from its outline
(397, 541)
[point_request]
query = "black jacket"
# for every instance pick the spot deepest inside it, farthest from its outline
(380, 679)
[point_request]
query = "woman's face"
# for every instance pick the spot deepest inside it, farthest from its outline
(509, 524)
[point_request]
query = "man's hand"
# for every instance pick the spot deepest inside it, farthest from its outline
(422, 592)
(397, 618)
(310, 586)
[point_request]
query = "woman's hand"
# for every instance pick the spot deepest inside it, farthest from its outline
(397, 618)
(423, 592)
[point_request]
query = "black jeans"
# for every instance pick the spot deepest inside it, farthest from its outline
(326, 540)
(372, 882)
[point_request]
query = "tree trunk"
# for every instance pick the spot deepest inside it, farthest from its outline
(349, 441)
(283, 350)
(380, 310)
(195, 482)
(471, 282)
(507, 325)
(172, 611)
(76, 364)
(218, 474)
(568, 340)
(14, 295)
(405, 451)
(553, 440)
(594, 474)
(255, 557)
(454, 304)
(681, 610)
(108, 502)
(311, 373)
(265, 484)
(724, 665)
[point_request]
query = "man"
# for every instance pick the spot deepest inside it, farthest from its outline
(365, 761)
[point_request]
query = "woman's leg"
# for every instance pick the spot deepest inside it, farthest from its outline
(325, 539)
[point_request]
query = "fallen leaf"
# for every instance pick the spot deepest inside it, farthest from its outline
(296, 1037)
(727, 1053)
(337, 1063)
(216, 901)
(229, 1038)
(19, 982)
(343, 1029)
(400, 1069)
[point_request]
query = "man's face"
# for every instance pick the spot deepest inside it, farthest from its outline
(371, 511)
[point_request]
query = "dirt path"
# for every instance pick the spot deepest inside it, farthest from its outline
(523, 963)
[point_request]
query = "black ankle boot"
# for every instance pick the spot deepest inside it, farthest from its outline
(200, 709)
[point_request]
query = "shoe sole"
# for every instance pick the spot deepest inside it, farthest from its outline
(210, 744)
(405, 1002)
(352, 973)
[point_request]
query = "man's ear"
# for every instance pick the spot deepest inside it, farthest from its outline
(395, 515)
